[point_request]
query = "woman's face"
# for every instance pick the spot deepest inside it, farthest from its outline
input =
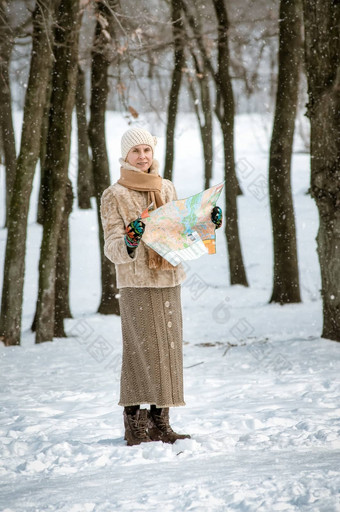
(140, 156)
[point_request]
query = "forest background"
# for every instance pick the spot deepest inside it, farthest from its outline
(149, 61)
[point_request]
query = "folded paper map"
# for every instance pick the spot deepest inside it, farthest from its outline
(182, 230)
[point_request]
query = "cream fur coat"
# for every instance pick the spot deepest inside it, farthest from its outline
(119, 207)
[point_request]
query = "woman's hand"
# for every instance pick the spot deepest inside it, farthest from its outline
(216, 216)
(134, 233)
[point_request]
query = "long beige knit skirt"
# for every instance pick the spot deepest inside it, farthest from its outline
(152, 366)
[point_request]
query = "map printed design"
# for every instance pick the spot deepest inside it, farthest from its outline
(182, 230)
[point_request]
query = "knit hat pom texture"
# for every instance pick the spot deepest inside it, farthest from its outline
(134, 137)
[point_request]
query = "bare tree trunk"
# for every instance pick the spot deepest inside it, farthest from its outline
(179, 59)
(6, 121)
(322, 51)
(286, 288)
(202, 107)
(207, 129)
(2, 154)
(14, 270)
(101, 58)
(85, 177)
(62, 300)
(64, 78)
(206, 125)
(43, 188)
(225, 114)
(62, 281)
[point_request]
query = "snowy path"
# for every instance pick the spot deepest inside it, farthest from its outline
(216, 484)
(262, 439)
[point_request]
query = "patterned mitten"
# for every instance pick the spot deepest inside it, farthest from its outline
(216, 216)
(134, 233)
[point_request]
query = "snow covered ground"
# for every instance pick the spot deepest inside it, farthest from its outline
(262, 388)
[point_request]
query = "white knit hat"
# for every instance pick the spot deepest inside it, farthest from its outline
(135, 136)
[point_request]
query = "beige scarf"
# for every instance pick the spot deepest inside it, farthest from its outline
(134, 179)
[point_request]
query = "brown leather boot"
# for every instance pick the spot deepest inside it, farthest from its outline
(136, 427)
(159, 428)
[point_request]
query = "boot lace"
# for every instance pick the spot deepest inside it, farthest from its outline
(139, 427)
(163, 424)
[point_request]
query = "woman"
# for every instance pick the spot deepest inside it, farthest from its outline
(150, 300)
